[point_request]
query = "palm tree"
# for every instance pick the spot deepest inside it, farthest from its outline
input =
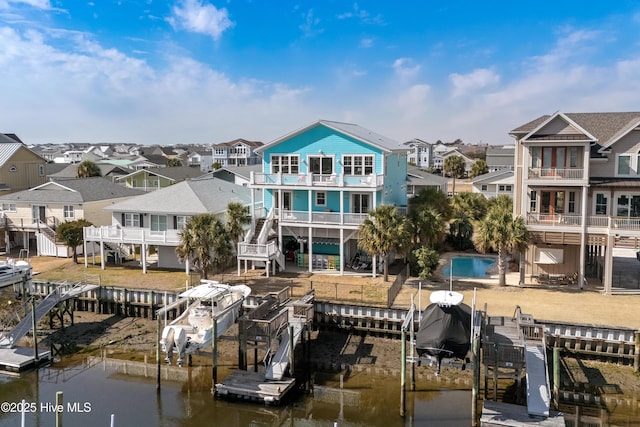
(430, 198)
(87, 169)
(429, 227)
(456, 167)
(500, 232)
(474, 204)
(478, 168)
(461, 229)
(237, 217)
(383, 232)
(205, 242)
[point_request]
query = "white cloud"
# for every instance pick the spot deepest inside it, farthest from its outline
(362, 15)
(366, 42)
(38, 4)
(310, 26)
(196, 17)
(406, 68)
(477, 79)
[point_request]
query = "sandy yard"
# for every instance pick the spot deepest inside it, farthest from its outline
(134, 338)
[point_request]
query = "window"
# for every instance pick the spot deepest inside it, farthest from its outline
(13, 168)
(41, 170)
(484, 187)
(321, 198)
(357, 165)
(571, 207)
(132, 220)
(628, 206)
(181, 221)
(285, 164)
(502, 188)
(601, 204)
(624, 165)
(533, 203)
(158, 222)
(68, 212)
(219, 151)
(9, 207)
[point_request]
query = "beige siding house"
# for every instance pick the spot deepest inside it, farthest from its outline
(29, 218)
(20, 168)
(577, 185)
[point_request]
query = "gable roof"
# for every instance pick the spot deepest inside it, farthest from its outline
(71, 170)
(75, 191)
(493, 176)
(177, 173)
(9, 137)
(605, 128)
(206, 194)
(362, 134)
(241, 171)
(241, 141)
(418, 177)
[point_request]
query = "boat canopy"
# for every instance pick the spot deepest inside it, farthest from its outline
(207, 290)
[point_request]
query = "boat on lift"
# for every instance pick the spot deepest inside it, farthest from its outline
(445, 328)
(207, 303)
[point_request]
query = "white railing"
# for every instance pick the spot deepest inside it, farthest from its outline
(555, 173)
(316, 180)
(553, 219)
(256, 250)
(561, 220)
(323, 217)
(131, 235)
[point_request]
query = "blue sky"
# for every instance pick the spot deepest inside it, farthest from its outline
(202, 71)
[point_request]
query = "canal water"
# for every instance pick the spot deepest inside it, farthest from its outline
(93, 392)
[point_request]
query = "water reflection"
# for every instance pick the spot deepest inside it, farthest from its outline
(365, 400)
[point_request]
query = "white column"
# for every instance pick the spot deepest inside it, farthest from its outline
(101, 254)
(143, 257)
(607, 277)
(310, 243)
(583, 238)
(341, 250)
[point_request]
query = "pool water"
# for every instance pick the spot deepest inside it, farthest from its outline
(469, 266)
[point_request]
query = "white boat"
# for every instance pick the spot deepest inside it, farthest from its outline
(12, 272)
(192, 331)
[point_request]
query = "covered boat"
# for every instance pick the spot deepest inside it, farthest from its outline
(207, 303)
(445, 328)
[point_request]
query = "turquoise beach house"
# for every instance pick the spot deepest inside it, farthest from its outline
(318, 184)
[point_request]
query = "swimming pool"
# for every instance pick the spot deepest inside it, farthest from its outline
(469, 266)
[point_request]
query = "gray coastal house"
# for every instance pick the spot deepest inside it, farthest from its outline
(151, 224)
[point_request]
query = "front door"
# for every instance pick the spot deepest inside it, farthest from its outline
(286, 200)
(551, 202)
(38, 214)
(360, 203)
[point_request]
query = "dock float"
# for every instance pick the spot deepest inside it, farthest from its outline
(21, 359)
(247, 385)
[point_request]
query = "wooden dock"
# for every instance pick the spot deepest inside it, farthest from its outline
(21, 359)
(252, 386)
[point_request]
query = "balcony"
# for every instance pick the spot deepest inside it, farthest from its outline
(573, 223)
(306, 217)
(316, 180)
(555, 174)
(131, 235)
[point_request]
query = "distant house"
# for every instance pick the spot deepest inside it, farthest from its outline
(156, 178)
(201, 158)
(30, 217)
(418, 180)
(500, 158)
(420, 154)
(20, 168)
(494, 184)
(238, 152)
(239, 175)
(156, 218)
(107, 170)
